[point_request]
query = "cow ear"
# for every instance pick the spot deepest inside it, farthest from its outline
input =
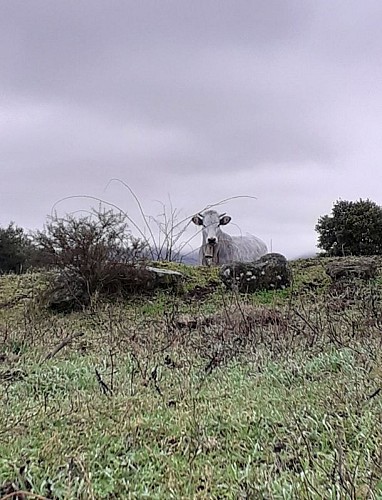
(224, 220)
(198, 220)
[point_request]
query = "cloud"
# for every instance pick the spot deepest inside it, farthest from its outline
(199, 101)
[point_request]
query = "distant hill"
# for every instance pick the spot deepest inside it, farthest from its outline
(307, 255)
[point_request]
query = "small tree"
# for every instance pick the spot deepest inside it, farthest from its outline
(353, 228)
(15, 249)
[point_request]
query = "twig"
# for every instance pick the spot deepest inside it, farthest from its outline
(104, 387)
(64, 343)
(375, 393)
(137, 202)
(112, 354)
(221, 202)
(106, 203)
(22, 493)
(154, 378)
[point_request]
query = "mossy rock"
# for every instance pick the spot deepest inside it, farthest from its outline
(270, 272)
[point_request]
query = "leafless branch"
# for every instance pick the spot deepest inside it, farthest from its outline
(63, 344)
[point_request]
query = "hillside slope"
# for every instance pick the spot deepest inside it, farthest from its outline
(204, 394)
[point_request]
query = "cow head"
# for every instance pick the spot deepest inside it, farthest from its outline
(211, 222)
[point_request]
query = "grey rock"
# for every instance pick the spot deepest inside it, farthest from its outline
(363, 268)
(270, 272)
(66, 293)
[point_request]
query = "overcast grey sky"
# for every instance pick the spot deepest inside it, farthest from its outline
(196, 100)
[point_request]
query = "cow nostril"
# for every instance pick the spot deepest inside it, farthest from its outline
(212, 241)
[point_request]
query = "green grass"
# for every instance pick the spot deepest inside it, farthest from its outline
(239, 433)
(268, 396)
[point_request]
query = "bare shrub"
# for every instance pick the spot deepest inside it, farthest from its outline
(96, 253)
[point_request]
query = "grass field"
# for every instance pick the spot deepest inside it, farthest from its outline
(205, 394)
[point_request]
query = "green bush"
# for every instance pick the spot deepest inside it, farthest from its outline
(15, 249)
(353, 228)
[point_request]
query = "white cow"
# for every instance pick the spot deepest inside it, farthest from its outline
(219, 247)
